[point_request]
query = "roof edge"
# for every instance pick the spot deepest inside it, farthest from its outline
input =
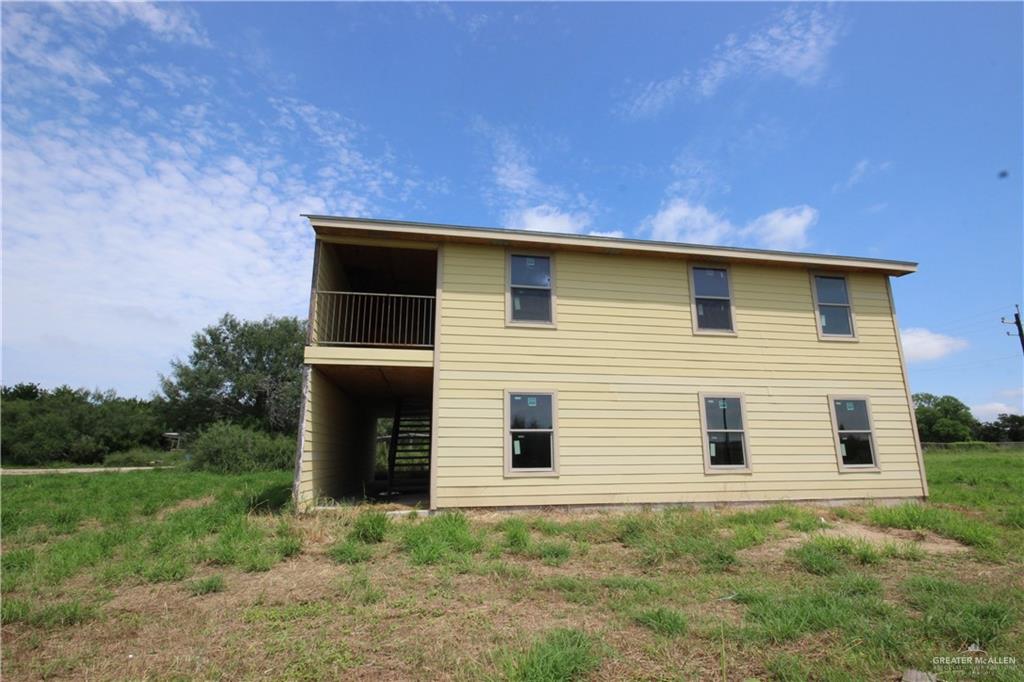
(733, 253)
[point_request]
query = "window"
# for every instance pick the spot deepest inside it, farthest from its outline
(835, 315)
(725, 442)
(855, 445)
(530, 289)
(531, 446)
(711, 300)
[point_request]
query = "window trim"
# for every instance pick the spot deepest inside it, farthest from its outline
(509, 322)
(691, 267)
(822, 336)
(853, 468)
(509, 472)
(716, 469)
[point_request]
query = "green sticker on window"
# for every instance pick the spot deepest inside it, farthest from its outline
(531, 402)
(850, 407)
(722, 404)
(515, 447)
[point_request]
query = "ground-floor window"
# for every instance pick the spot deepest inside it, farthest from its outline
(725, 440)
(855, 443)
(531, 443)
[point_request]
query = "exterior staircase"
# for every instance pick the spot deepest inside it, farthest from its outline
(409, 448)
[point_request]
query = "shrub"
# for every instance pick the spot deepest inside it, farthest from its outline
(143, 457)
(228, 448)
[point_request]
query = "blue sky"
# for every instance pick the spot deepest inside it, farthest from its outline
(156, 157)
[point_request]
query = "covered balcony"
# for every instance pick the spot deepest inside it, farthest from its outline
(374, 297)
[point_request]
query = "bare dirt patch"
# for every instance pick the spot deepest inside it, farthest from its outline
(925, 540)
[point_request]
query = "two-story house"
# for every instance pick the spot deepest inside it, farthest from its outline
(478, 367)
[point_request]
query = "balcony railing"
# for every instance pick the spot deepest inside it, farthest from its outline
(349, 318)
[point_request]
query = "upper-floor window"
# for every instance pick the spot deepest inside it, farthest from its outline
(724, 436)
(712, 300)
(531, 443)
(530, 292)
(835, 314)
(855, 444)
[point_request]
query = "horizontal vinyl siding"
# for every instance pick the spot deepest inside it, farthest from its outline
(628, 367)
(326, 439)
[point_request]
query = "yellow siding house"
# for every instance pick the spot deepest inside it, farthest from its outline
(470, 367)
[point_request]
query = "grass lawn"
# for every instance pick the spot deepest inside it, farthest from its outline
(179, 575)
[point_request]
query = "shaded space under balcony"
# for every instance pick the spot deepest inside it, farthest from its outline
(369, 435)
(372, 296)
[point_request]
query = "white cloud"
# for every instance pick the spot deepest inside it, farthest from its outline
(794, 44)
(921, 344)
(680, 220)
(861, 170)
(783, 228)
(525, 201)
(130, 225)
(653, 97)
(616, 234)
(545, 218)
(987, 412)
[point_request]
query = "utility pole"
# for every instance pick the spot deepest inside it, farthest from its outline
(1017, 323)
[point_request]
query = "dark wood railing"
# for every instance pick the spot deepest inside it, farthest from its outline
(350, 318)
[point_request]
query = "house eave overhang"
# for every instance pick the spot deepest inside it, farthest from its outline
(401, 230)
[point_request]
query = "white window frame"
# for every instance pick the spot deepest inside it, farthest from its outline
(851, 468)
(822, 336)
(693, 267)
(509, 322)
(706, 442)
(551, 472)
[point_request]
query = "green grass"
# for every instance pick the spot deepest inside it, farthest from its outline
(650, 587)
(572, 589)
(945, 522)
(825, 554)
(349, 551)
(557, 656)
(444, 538)
(663, 621)
(371, 527)
(957, 613)
(517, 540)
(988, 481)
(698, 535)
(209, 585)
(141, 527)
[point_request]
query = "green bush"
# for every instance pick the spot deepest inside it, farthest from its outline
(143, 457)
(230, 449)
(72, 425)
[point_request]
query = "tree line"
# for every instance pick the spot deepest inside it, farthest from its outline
(944, 419)
(237, 395)
(241, 382)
